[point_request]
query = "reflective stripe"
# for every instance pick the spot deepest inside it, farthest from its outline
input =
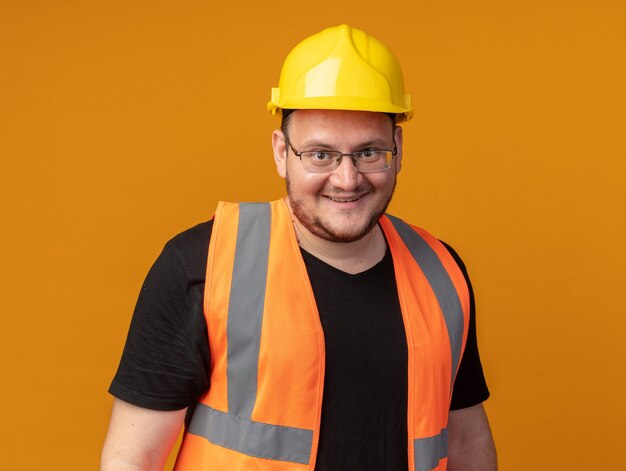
(245, 307)
(429, 451)
(441, 284)
(257, 439)
(235, 430)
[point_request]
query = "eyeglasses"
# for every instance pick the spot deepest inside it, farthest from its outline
(365, 161)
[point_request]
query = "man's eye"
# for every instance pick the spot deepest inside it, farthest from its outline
(320, 156)
(368, 154)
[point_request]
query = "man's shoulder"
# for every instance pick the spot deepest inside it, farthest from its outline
(455, 256)
(448, 247)
(191, 248)
(200, 234)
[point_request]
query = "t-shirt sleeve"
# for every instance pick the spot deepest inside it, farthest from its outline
(470, 387)
(165, 362)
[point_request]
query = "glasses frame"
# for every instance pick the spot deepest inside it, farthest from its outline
(394, 152)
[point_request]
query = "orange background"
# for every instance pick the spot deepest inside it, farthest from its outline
(122, 123)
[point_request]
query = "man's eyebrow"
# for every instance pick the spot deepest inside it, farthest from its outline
(375, 143)
(318, 144)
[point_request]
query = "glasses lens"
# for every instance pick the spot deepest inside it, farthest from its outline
(320, 161)
(373, 161)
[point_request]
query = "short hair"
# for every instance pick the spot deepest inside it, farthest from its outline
(284, 120)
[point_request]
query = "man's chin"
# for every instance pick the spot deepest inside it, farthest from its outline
(333, 231)
(341, 236)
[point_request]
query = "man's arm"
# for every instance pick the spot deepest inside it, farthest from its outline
(470, 444)
(139, 439)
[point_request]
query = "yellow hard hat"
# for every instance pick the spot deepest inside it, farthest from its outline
(342, 68)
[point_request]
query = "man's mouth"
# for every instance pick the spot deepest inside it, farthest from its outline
(345, 199)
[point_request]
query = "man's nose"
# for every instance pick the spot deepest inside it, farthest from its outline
(346, 176)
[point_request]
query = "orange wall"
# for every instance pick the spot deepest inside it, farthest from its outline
(124, 122)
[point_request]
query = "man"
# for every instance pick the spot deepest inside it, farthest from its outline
(313, 332)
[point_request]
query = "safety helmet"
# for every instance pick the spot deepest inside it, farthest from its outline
(342, 68)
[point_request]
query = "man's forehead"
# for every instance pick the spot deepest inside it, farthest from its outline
(331, 119)
(330, 128)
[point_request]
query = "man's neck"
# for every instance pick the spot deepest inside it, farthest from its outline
(350, 257)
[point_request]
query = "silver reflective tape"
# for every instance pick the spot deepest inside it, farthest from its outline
(256, 439)
(429, 451)
(245, 308)
(441, 284)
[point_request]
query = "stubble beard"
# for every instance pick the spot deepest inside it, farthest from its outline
(317, 227)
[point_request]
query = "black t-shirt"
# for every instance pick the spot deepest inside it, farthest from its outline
(166, 360)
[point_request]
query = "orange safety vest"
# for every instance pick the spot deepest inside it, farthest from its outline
(263, 408)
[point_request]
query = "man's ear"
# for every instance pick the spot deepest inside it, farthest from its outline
(279, 144)
(398, 138)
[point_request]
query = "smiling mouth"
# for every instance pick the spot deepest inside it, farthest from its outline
(344, 200)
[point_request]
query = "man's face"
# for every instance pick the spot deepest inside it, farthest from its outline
(343, 205)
